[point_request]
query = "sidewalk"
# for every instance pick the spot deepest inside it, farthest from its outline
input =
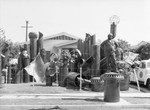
(28, 88)
(60, 96)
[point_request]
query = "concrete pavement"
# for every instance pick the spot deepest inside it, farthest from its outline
(26, 97)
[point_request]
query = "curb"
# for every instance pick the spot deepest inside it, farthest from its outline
(125, 95)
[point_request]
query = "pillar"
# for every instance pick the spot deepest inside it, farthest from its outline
(93, 39)
(96, 64)
(9, 74)
(33, 45)
(26, 75)
(27, 47)
(40, 42)
(113, 28)
(79, 45)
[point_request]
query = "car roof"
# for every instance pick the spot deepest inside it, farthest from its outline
(145, 60)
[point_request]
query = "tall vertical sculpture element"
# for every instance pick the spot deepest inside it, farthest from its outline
(114, 20)
(33, 45)
(79, 45)
(87, 45)
(96, 64)
(9, 74)
(26, 62)
(40, 42)
(93, 39)
(91, 43)
(27, 47)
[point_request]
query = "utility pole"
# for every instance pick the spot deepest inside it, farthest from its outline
(27, 29)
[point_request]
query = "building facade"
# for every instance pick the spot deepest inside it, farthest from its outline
(60, 41)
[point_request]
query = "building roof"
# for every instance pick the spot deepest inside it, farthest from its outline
(66, 43)
(61, 34)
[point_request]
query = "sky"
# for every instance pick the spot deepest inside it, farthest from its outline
(76, 17)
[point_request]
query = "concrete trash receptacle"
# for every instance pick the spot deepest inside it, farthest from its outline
(48, 81)
(112, 87)
(97, 84)
(124, 83)
(2, 80)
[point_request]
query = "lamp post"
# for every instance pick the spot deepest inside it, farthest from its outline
(114, 20)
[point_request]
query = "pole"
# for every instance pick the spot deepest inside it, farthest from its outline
(57, 75)
(27, 31)
(136, 80)
(80, 78)
(6, 74)
(27, 22)
(33, 77)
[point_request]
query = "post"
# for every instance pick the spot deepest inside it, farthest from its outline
(136, 80)
(9, 74)
(57, 76)
(33, 77)
(80, 78)
(26, 29)
(6, 74)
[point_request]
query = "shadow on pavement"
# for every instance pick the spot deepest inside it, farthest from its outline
(87, 99)
(53, 108)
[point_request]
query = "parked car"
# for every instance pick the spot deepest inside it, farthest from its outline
(142, 73)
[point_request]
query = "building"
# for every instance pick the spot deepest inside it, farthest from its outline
(60, 41)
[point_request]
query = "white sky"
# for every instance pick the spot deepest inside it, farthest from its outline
(76, 17)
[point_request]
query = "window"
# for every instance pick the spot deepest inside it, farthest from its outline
(148, 64)
(143, 65)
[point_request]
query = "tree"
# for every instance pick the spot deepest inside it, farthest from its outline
(124, 45)
(144, 51)
(9, 50)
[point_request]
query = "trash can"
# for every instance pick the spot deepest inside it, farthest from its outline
(2, 80)
(124, 83)
(48, 81)
(62, 75)
(112, 87)
(123, 69)
(97, 84)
